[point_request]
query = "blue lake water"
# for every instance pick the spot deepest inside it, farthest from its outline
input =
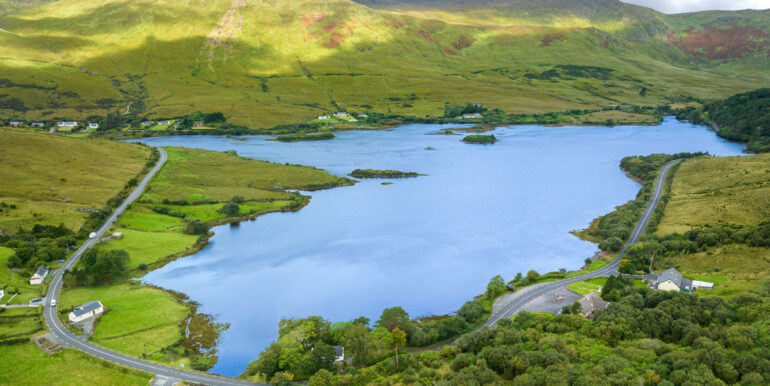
(427, 244)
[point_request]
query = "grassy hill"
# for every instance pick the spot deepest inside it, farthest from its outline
(47, 179)
(265, 63)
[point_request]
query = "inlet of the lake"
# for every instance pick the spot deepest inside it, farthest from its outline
(427, 244)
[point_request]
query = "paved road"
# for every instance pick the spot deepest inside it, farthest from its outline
(527, 294)
(71, 340)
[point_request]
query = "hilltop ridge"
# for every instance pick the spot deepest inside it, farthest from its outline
(264, 63)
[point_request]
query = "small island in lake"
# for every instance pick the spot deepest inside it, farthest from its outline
(479, 139)
(304, 137)
(374, 173)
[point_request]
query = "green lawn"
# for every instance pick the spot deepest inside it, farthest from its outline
(588, 286)
(25, 364)
(137, 316)
(149, 247)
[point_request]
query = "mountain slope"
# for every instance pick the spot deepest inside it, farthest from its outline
(270, 62)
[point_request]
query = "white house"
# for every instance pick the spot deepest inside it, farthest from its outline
(324, 117)
(471, 116)
(339, 355)
(2, 294)
(93, 125)
(67, 124)
(16, 124)
(341, 114)
(81, 313)
(37, 124)
(670, 280)
(164, 122)
(702, 284)
(39, 276)
(147, 123)
(363, 115)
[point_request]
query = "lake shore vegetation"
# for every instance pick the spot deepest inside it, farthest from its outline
(377, 173)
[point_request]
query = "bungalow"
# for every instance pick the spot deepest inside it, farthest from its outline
(590, 303)
(472, 116)
(37, 124)
(93, 126)
(341, 114)
(324, 117)
(90, 309)
(39, 276)
(339, 355)
(672, 280)
(164, 122)
(198, 124)
(147, 123)
(16, 124)
(67, 124)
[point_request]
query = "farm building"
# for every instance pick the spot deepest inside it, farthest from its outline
(90, 309)
(39, 276)
(697, 284)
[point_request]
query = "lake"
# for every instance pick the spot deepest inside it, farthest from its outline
(427, 244)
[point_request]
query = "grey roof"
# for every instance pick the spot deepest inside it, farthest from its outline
(592, 302)
(339, 351)
(42, 271)
(671, 274)
(86, 308)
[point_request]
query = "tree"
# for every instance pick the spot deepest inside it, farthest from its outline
(322, 378)
(399, 340)
(496, 287)
(230, 209)
(532, 275)
(196, 227)
(381, 338)
(395, 317)
(358, 343)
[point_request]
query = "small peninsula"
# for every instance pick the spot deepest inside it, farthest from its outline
(375, 173)
(479, 139)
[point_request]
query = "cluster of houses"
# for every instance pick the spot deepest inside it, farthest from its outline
(343, 115)
(69, 125)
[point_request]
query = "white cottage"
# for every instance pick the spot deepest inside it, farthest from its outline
(39, 276)
(90, 309)
(670, 280)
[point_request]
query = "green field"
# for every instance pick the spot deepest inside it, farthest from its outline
(145, 247)
(48, 177)
(713, 190)
(588, 286)
(146, 220)
(25, 364)
(267, 63)
(136, 316)
(197, 175)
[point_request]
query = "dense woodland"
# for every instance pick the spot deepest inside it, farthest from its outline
(644, 337)
(742, 117)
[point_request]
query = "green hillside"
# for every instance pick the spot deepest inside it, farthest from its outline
(264, 63)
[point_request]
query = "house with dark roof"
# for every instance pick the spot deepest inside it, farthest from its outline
(672, 280)
(39, 276)
(16, 124)
(88, 310)
(339, 355)
(590, 303)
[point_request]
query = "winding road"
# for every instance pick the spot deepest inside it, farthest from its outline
(68, 339)
(527, 294)
(165, 373)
